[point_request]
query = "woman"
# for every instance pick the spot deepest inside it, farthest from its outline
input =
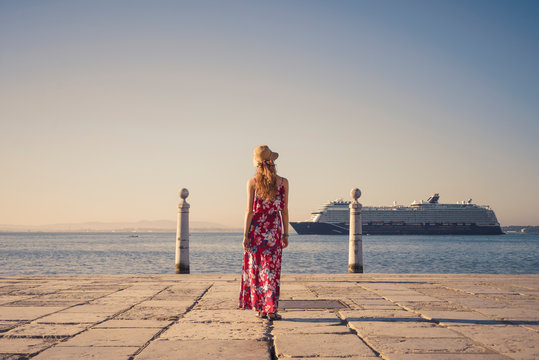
(263, 236)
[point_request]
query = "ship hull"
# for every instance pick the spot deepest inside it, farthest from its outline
(320, 228)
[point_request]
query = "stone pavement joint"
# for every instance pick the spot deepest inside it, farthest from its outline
(165, 328)
(354, 331)
(388, 316)
(86, 318)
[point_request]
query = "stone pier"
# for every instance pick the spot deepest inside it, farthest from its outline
(325, 316)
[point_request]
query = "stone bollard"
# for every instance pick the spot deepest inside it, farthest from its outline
(355, 247)
(182, 235)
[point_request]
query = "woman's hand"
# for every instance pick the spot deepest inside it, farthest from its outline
(285, 240)
(246, 243)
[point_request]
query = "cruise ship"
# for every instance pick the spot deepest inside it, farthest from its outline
(420, 218)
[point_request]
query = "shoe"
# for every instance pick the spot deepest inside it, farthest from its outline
(262, 315)
(274, 316)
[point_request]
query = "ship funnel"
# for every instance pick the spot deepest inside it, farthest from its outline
(433, 199)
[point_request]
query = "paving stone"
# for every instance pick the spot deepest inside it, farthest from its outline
(401, 329)
(352, 305)
(37, 302)
(152, 313)
(223, 294)
(333, 294)
(23, 345)
(380, 315)
(112, 337)
(125, 300)
(511, 314)
(332, 285)
(173, 296)
(411, 297)
(311, 345)
(227, 316)
(11, 357)
(473, 302)
(7, 325)
(362, 293)
(97, 308)
(193, 291)
(6, 290)
(531, 293)
(479, 290)
(132, 324)
(402, 345)
(185, 330)
(444, 293)
(206, 350)
(76, 295)
(73, 318)
(169, 304)
(77, 291)
(388, 288)
(133, 293)
(291, 286)
(340, 358)
(432, 306)
(284, 327)
(526, 304)
(46, 330)
(87, 352)
(520, 344)
(25, 312)
(98, 287)
(375, 304)
(217, 304)
(229, 291)
(533, 326)
(404, 333)
(6, 299)
(505, 297)
(37, 290)
(305, 294)
(453, 356)
(458, 317)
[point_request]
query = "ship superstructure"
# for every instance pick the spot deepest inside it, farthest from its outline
(424, 217)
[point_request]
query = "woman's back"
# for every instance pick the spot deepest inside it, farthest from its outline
(275, 205)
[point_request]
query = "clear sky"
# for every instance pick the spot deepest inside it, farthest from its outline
(108, 108)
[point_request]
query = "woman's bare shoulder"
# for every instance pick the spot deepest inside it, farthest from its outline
(283, 180)
(251, 182)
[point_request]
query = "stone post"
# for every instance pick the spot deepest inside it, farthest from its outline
(355, 248)
(182, 234)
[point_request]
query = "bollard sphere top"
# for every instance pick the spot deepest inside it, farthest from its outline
(355, 193)
(184, 193)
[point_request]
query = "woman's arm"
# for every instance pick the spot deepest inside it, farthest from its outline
(284, 213)
(248, 213)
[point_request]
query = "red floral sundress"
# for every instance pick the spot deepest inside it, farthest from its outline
(261, 270)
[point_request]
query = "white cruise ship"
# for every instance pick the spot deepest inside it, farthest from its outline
(425, 217)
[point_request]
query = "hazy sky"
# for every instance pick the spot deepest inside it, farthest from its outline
(108, 108)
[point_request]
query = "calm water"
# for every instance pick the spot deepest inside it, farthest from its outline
(153, 253)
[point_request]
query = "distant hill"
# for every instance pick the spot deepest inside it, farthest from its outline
(142, 226)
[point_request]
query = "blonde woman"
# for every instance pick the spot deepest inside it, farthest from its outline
(265, 235)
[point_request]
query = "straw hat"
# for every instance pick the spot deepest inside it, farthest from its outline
(263, 153)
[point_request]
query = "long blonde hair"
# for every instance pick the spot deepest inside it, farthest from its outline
(266, 180)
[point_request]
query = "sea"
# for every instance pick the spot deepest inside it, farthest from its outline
(154, 253)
